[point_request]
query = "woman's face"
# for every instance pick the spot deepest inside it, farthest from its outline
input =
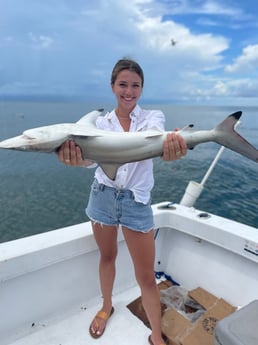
(127, 89)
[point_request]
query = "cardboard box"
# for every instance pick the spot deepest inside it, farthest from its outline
(179, 330)
(137, 309)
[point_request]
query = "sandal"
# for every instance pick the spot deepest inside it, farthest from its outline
(151, 342)
(103, 316)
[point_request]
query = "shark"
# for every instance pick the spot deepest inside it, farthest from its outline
(110, 150)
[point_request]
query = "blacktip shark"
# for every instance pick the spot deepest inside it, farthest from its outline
(112, 149)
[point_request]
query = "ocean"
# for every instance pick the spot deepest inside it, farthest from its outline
(39, 194)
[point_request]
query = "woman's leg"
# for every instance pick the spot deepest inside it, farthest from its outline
(142, 249)
(106, 238)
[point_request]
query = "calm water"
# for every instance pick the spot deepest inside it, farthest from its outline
(39, 194)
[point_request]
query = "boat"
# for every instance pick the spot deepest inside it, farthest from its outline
(49, 286)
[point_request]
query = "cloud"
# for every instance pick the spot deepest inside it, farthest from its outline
(219, 8)
(40, 41)
(203, 7)
(207, 22)
(238, 88)
(245, 88)
(70, 48)
(247, 62)
(83, 47)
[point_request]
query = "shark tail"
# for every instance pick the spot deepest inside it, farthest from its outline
(226, 135)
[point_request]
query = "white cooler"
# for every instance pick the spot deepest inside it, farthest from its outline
(239, 328)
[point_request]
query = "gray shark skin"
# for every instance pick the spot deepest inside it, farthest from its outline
(113, 149)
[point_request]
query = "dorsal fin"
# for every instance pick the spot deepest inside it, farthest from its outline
(90, 118)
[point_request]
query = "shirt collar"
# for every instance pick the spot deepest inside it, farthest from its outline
(134, 113)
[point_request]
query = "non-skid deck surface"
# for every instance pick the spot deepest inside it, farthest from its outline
(123, 327)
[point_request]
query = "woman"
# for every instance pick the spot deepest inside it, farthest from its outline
(126, 201)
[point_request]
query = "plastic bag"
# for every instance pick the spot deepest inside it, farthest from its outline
(176, 297)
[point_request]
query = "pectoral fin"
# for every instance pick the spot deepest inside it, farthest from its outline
(110, 170)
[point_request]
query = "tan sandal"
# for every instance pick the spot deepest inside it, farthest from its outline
(103, 316)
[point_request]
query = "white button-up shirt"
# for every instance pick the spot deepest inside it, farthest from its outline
(136, 176)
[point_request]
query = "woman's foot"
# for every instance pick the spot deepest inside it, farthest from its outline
(99, 323)
(152, 343)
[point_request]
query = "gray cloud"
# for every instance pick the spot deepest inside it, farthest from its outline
(69, 48)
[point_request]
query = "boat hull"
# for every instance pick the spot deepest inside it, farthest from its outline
(46, 277)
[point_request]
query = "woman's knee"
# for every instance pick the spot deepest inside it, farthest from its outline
(108, 258)
(146, 280)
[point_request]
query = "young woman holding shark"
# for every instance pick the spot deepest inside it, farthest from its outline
(125, 200)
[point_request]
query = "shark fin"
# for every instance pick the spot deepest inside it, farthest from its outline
(90, 118)
(187, 128)
(230, 122)
(110, 170)
(228, 137)
(156, 129)
(153, 132)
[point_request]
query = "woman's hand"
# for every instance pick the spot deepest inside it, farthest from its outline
(71, 154)
(174, 147)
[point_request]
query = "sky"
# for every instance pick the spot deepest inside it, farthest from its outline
(191, 51)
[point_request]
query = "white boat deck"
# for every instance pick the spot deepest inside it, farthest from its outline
(49, 287)
(123, 327)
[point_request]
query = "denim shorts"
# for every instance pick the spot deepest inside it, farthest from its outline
(109, 206)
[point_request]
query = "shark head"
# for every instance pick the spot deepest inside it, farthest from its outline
(50, 138)
(38, 139)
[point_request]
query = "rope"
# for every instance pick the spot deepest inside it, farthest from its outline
(160, 274)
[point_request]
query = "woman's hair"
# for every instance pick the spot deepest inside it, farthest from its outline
(126, 64)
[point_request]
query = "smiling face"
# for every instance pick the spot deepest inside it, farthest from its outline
(127, 88)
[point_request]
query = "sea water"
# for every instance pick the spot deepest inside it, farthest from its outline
(39, 194)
